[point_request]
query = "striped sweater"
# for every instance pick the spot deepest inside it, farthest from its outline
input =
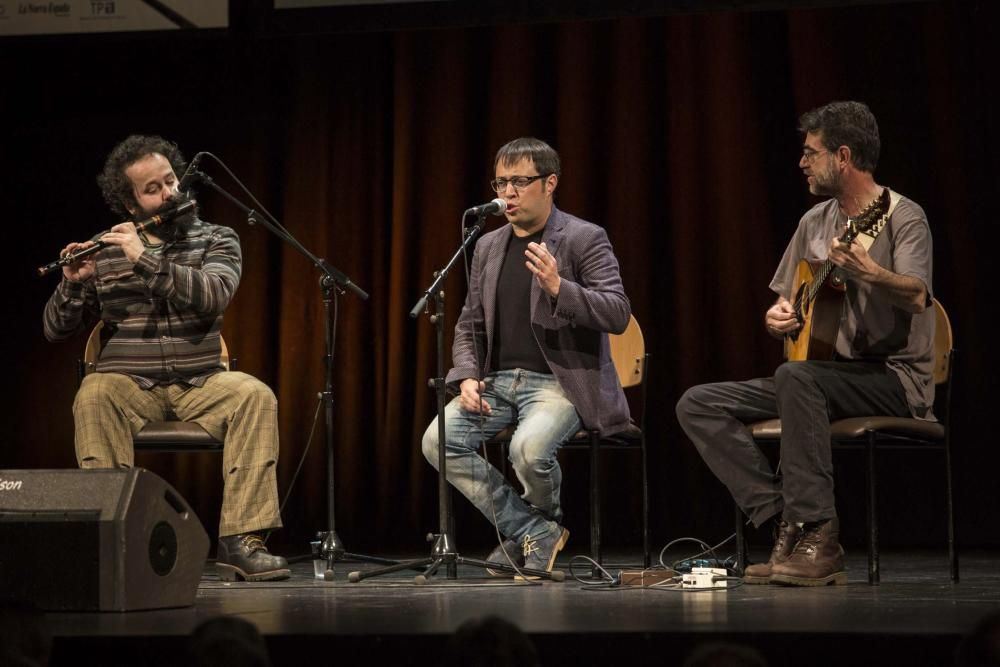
(163, 315)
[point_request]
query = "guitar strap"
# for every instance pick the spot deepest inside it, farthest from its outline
(867, 237)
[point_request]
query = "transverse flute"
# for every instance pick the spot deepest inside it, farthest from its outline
(155, 220)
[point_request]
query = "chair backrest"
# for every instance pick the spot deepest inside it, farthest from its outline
(92, 351)
(628, 351)
(944, 343)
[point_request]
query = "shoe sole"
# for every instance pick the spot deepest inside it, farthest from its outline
(502, 573)
(753, 581)
(552, 558)
(835, 579)
(233, 573)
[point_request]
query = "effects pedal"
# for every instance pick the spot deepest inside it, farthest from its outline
(648, 577)
(705, 577)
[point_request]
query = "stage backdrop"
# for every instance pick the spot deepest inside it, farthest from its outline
(677, 134)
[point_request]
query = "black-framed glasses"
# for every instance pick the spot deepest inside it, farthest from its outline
(499, 185)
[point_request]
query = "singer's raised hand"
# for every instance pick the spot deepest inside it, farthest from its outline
(82, 269)
(545, 267)
(125, 236)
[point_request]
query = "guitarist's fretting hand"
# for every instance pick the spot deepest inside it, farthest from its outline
(854, 259)
(780, 318)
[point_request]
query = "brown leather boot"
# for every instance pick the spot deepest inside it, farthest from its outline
(786, 535)
(245, 558)
(817, 560)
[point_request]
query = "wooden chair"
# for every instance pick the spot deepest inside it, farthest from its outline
(897, 433)
(628, 351)
(165, 436)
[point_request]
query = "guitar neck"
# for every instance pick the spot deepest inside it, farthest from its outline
(876, 211)
(850, 234)
(820, 278)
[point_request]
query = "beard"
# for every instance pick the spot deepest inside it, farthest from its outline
(174, 228)
(825, 183)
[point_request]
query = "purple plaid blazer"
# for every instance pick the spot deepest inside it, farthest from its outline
(572, 331)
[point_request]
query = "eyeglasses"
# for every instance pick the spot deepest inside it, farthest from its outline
(809, 155)
(519, 182)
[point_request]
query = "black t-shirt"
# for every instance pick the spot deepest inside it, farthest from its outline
(514, 344)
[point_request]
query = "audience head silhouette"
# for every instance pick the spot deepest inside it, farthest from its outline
(227, 641)
(491, 642)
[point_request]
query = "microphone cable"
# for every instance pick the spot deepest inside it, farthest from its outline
(481, 418)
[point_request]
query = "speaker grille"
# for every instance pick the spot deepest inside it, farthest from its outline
(163, 548)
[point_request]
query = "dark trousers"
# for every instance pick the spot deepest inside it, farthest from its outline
(807, 396)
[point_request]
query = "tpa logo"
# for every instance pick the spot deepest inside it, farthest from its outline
(102, 8)
(10, 484)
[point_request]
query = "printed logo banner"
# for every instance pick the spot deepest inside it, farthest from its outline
(300, 4)
(61, 17)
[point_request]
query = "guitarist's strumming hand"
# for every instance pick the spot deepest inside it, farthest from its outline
(854, 259)
(780, 318)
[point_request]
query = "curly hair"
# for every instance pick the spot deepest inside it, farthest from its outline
(850, 124)
(544, 157)
(116, 187)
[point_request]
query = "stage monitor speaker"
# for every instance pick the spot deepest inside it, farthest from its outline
(103, 540)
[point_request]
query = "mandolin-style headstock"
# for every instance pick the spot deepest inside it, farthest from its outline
(873, 213)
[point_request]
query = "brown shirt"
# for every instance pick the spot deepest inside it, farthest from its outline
(871, 328)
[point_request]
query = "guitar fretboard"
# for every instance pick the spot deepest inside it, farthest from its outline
(870, 222)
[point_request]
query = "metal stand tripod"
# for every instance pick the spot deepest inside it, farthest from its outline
(332, 282)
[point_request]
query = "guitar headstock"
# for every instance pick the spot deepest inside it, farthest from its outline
(874, 212)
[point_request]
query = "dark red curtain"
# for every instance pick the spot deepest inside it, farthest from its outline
(677, 134)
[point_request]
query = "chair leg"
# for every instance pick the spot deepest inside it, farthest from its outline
(646, 556)
(952, 549)
(741, 544)
(871, 500)
(595, 498)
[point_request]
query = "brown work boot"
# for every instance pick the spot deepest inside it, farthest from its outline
(786, 536)
(817, 560)
(245, 558)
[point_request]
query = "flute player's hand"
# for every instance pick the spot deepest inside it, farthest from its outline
(82, 269)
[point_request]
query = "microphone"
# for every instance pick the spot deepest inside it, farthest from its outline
(191, 174)
(495, 207)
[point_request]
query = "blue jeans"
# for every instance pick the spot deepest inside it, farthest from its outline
(545, 420)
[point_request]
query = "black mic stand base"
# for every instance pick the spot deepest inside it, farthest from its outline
(331, 550)
(328, 547)
(443, 554)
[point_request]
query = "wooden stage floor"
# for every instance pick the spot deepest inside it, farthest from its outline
(916, 616)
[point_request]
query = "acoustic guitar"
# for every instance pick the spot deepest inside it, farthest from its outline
(818, 297)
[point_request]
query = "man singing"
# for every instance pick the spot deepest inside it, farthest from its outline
(531, 348)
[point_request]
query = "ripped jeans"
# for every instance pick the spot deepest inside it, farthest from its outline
(545, 420)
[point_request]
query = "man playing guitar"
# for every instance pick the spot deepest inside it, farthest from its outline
(853, 306)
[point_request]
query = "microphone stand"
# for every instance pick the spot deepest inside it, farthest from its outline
(332, 282)
(443, 551)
